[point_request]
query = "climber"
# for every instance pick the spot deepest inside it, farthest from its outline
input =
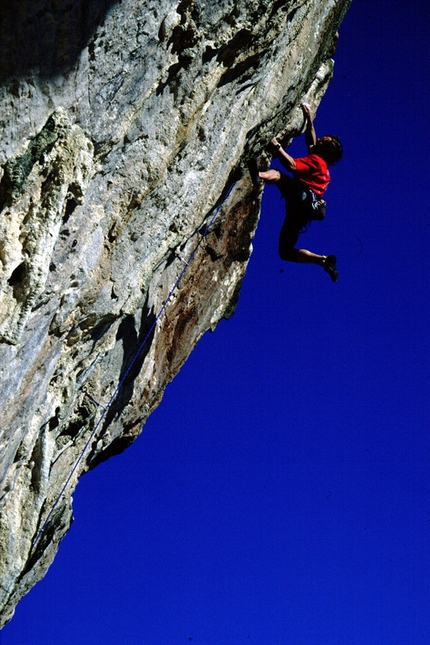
(303, 192)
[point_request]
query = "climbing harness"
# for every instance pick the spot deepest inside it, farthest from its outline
(203, 233)
(318, 206)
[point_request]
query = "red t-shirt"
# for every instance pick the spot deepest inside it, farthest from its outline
(313, 172)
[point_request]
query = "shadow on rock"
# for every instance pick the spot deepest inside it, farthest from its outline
(136, 348)
(46, 36)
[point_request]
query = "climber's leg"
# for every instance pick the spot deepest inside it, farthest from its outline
(270, 176)
(307, 257)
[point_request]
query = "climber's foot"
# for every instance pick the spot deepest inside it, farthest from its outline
(253, 170)
(330, 267)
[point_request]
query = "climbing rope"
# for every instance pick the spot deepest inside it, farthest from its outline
(215, 210)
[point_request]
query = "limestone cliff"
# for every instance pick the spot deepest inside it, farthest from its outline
(125, 126)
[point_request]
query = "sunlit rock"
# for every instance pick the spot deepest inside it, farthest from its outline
(125, 128)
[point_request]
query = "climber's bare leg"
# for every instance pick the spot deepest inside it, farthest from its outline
(328, 263)
(270, 176)
(307, 257)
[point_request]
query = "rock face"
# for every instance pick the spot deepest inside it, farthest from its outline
(125, 129)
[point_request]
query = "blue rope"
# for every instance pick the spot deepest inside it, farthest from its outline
(216, 209)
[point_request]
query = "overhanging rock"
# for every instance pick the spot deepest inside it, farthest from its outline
(124, 124)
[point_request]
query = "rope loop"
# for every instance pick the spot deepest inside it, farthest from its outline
(215, 210)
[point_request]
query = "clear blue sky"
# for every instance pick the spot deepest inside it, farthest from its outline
(280, 494)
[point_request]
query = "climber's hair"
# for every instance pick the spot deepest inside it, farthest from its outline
(331, 151)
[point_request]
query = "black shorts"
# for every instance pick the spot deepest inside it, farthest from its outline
(296, 218)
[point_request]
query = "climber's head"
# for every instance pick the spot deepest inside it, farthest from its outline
(329, 148)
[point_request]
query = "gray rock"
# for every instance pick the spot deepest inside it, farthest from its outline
(125, 128)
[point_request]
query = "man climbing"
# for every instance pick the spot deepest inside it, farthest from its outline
(304, 191)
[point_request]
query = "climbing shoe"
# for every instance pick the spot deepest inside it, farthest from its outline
(330, 267)
(253, 171)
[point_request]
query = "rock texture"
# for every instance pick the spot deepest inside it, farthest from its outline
(123, 127)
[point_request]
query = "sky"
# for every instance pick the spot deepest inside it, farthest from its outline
(280, 493)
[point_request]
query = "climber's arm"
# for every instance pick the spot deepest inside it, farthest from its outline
(286, 160)
(310, 134)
